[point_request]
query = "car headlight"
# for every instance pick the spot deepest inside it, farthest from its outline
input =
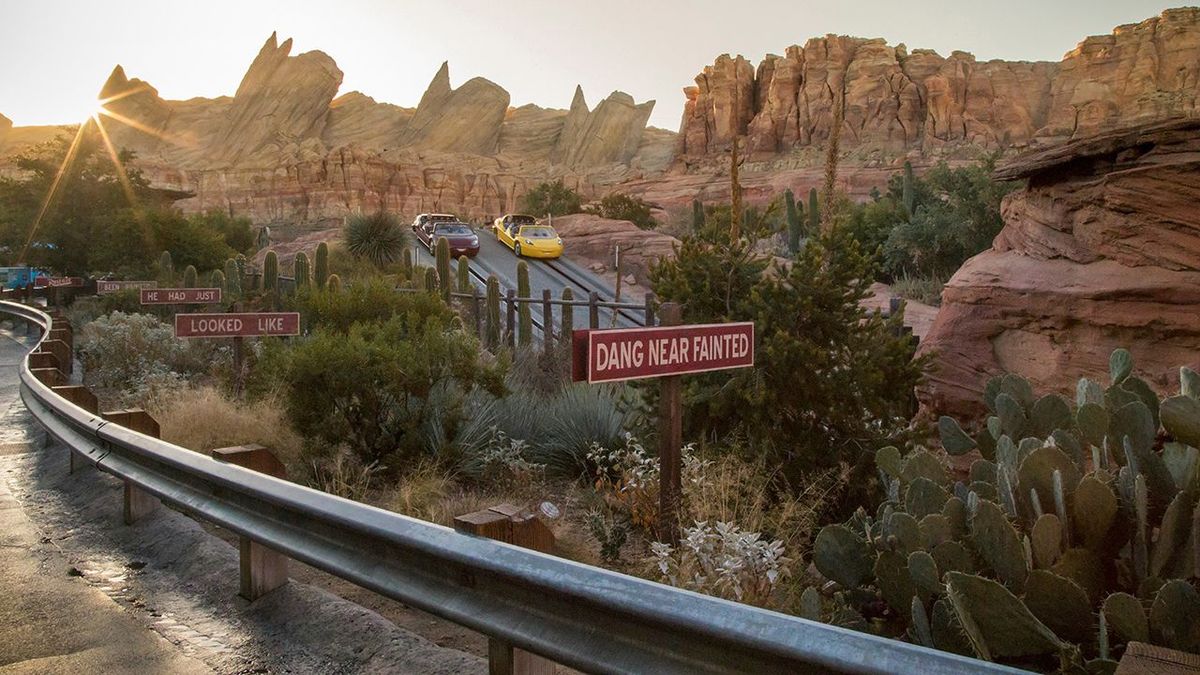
(560, 241)
(529, 242)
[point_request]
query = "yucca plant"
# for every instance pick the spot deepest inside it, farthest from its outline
(378, 237)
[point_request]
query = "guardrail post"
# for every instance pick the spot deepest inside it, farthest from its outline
(547, 321)
(138, 502)
(262, 569)
(51, 377)
(62, 351)
(593, 310)
(511, 299)
(82, 397)
(40, 359)
(649, 309)
(512, 525)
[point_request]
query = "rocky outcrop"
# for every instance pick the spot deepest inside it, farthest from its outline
(464, 120)
(920, 104)
(1101, 250)
(594, 239)
(610, 134)
(5, 126)
(358, 119)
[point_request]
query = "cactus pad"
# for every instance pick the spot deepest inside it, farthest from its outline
(1093, 510)
(1018, 388)
(948, 634)
(923, 464)
(935, 529)
(843, 556)
(1126, 618)
(1037, 472)
(983, 471)
(923, 571)
(1120, 365)
(1181, 419)
(1189, 383)
(996, 622)
(953, 556)
(1050, 412)
(893, 580)
(1175, 617)
(1061, 604)
(998, 544)
(1173, 533)
(1046, 538)
(923, 497)
(1012, 416)
(810, 604)
(954, 439)
(888, 460)
(1084, 568)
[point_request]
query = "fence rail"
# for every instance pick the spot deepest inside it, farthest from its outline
(584, 617)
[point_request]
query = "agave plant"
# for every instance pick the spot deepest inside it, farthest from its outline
(377, 237)
(1075, 531)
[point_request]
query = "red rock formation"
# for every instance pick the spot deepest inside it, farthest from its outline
(1102, 250)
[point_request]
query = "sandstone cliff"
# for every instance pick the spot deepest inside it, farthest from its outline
(1101, 250)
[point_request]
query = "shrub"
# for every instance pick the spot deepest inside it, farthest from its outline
(723, 560)
(619, 206)
(503, 462)
(343, 474)
(627, 477)
(203, 419)
(370, 300)
(922, 289)
(1070, 513)
(377, 238)
(551, 198)
(132, 355)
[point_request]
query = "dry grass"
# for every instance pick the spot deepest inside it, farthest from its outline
(204, 418)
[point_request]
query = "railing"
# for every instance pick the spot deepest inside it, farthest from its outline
(588, 618)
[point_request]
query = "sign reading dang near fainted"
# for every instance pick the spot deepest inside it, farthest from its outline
(180, 296)
(636, 353)
(248, 324)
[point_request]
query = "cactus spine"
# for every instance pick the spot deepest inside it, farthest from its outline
(524, 316)
(445, 282)
(814, 212)
(270, 272)
(795, 224)
(464, 274)
(493, 313)
(189, 276)
(301, 272)
(333, 284)
(568, 316)
(321, 266)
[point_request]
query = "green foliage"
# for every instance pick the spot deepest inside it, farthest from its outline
(492, 330)
(908, 195)
(445, 282)
(217, 280)
(369, 301)
(236, 232)
(795, 221)
(270, 272)
(300, 271)
(1069, 523)
(334, 284)
(464, 274)
(814, 211)
(232, 291)
(697, 215)
(321, 268)
(378, 386)
(551, 198)
(377, 238)
(189, 276)
(524, 313)
(166, 268)
(620, 206)
(830, 380)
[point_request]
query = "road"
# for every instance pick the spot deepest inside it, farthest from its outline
(496, 259)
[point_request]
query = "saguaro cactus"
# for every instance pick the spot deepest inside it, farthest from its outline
(464, 274)
(406, 263)
(568, 316)
(524, 316)
(166, 267)
(493, 313)
(907, 194)
(794, 221)
(445, 282)
(431, 279)
(218, 279)
(270, 272)
(814, 212)
(697, 215)
(303, 280)
(333, 284)
(233, 281)
(321, 268)
(189, 276)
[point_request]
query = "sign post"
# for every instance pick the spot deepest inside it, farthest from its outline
(667, 351)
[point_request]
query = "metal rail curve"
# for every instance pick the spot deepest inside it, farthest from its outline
(587, 618)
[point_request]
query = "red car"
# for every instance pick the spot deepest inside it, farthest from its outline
(461, 238)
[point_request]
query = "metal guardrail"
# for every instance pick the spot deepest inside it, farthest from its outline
(588, 618)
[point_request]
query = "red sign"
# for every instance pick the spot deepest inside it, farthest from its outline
(59, 282)
(249, 324)
(180, 296)
(105, 287)
(637, 353)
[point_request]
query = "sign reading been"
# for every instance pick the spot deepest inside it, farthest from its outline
(637, 353)
(103, 287)
(180, 296)
(249, 324)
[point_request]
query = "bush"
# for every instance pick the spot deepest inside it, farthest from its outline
(203, 419)
(134, 355)
(377, 386)
(551, 198)
(371, 300)
(377, 238)
(723, 560)
(1069, 513)
(618, 206)
(236, 231)
(922, 289)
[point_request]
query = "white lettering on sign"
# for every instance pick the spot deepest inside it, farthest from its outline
(626, 354)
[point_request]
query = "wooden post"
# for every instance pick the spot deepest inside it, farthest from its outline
(238, 356)
(82, 397)
(511, 299)
(617, 287)
(649, 310)
(512, 525)
(51, 377)
(547, 321)
(40, 359)
(670, 439)
(138, 502)
(62, 351)
(263, 569)
(593, 310)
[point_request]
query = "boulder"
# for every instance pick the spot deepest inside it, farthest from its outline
(1101, 250)
(5, 125)
(594, 239)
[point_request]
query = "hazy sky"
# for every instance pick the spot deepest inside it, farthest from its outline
(55, 54)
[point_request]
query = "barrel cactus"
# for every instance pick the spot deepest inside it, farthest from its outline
(166, 267)
(333, 284)
(1075, 531)
(217, 279)
(321, 265)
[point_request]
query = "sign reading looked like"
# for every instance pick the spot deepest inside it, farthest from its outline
(105, 287)
(180, 296)
(637, 353)
(248, 324)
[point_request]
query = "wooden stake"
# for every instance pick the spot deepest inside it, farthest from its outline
(670, 439)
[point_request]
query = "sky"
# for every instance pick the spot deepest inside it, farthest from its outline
(55, 54)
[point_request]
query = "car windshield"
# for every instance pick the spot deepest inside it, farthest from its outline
(453, 229)
(440, 218)
(521, 220)
(538, 232)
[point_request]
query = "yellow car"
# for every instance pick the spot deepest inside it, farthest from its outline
(528, 238)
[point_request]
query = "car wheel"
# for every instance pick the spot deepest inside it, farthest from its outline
(517, 249)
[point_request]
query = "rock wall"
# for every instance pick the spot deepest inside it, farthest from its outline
(901, 103)
(1101, 250)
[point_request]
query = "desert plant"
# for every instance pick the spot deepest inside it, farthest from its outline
(620, 206)
(204, 418)
(445, 281)
(493, 313)
(189, 276)
(552, 198)
(334, 284)
(343, 474)
(270, 272)
(300, 271)
(610, 530)
(321, 266)
(524, 314)
(814, 211)
(217, 279)
(430, 282)
(406, 264)
(795, 221)
(1070, 511)
(723, 560)
(130, 356)
(464, 274)
(567, 315)
(232, 291)
(908, 195)
(378, 237)
(166, 268)
(697, 215)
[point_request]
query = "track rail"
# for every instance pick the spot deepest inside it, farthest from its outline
(584, 617)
